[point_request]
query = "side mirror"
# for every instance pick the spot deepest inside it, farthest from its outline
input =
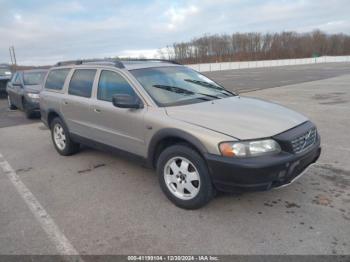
(127, 101)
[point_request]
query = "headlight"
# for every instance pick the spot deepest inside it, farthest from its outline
(249, 148)
(7, 73)
(34, 96)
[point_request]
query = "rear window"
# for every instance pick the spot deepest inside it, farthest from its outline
(81, 82)
(56, 78)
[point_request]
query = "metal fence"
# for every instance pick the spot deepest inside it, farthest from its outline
(208, 67)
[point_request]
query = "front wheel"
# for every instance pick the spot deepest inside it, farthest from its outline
(184, 177)
(61, 139)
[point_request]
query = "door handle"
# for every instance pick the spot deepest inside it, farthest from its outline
(65, 102)
(97, 110)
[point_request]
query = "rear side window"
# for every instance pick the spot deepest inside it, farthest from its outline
(14, 77)
(81, 82)
(55, 79)
(17, 80)
(112, 83)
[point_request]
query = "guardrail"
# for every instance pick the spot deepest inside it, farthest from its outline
(209, 67)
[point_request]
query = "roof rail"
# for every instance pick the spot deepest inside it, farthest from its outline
(113, 62)
(150, 60)
(70, 62)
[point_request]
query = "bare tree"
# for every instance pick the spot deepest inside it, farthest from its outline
(258, 46)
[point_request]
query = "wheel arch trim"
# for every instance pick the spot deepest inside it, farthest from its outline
(53, 111)
(172, 133)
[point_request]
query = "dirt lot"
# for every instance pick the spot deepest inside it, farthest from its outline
(103, 204)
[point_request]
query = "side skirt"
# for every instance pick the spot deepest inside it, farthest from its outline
(107, 148)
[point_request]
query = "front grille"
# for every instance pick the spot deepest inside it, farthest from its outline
(304, 141)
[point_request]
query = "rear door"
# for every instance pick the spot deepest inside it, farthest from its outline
(122, 128)
(76, 104)
(53, 93)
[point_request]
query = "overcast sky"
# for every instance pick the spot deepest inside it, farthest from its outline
(44, 32)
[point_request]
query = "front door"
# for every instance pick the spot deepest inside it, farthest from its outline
(118, 127)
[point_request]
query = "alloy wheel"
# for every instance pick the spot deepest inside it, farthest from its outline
(182, 178)
(59, 136)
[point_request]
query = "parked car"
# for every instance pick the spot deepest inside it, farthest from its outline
(5, 76)
(23, 90)
(199, 136)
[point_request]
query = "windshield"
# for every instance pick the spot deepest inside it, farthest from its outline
(169, 86)
(5, 71)
(33, 78)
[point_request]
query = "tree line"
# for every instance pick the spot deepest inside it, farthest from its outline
(257, 46)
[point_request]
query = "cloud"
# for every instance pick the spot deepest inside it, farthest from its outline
(146, 53)
(335, 26)
(17, 17)
(178, 16)
(44, 32)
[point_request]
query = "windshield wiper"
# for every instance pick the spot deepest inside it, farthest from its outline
(203, 94)
(175, 89)
(209, 85)
(180, 90)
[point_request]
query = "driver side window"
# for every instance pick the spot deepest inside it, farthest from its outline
(112, 83)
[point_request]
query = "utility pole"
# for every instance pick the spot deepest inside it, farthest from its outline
(13, 57)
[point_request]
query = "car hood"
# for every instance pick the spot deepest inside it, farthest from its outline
(239, 117)
(33, 88)
(5, 77)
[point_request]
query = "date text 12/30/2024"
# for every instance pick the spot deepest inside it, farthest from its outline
(173, 258)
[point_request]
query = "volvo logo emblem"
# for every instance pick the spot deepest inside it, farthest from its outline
(306, 139)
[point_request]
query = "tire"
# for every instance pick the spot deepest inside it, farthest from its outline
(179, 183)
(29, 113)
(11, 106)
(64, 145)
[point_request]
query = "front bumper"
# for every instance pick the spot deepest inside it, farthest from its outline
(33, 104)
(44, 117)
(259, 173)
